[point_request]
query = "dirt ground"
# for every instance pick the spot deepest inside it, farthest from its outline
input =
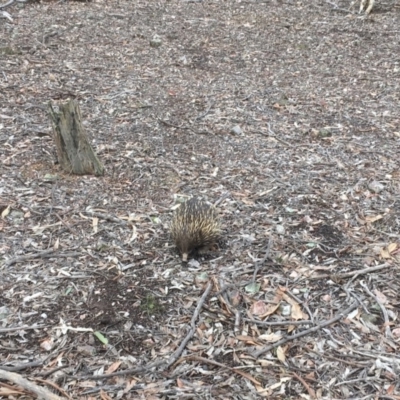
(283, 113)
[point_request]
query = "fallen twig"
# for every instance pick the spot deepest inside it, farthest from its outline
(162, 363)
(45, 374)
(27, 385)
(11, 2)
(205, 112)
(304, 333)
(20, 328)
(352, 273)
(235, 370)
(277, 323)
(52, 384)
(107, 217)
(130, 371)
(21, 366)
(42, 254)
(388, 332)
(222, 198)
(272, 134)
(261, 262)
(310, 391)
(192, 330)
(335, 7)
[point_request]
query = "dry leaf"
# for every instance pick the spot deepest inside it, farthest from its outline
(392, 247)
(247, 339)
(380, 296)
(258, 308)
(373, 218)
(385, 254)
(310, 376)
(179, 383)
(113, 367)
(271, 309)
(134, 234)
(280, 354)
(396, 332)
(270, 337)
(9, 392)
(296, 312)
(47, 344)
(326, 298)
(95, 224)
(104, 395)
(5, 212)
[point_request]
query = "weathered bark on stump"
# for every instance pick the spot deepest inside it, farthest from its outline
(75, 154)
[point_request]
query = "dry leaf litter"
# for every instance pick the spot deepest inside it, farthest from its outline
(283, 114)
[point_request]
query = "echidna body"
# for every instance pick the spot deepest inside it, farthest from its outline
(194, 225)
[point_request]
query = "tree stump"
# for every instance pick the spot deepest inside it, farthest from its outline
(74, 152)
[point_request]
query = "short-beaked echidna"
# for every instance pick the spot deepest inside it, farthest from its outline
(195, 224)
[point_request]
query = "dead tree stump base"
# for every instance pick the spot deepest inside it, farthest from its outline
(74, 152)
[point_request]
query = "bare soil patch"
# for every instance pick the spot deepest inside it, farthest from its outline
(284, 113)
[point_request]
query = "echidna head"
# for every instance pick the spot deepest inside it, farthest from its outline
(184, 243)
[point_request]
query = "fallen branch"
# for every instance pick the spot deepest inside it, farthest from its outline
(163, 364)
(42, 393)
(52, 384)
(11, 2)
(352, 273)
(236, 371)
(388, 332)
(272, 134)
(205, 112)
(129, 371)
(261, 262)
(304, 333)
(20, 328)
(335, 7)
(43, 254)
(21, 366)
(107, 217)
(277, 323)
(192, 330)
(310, 391)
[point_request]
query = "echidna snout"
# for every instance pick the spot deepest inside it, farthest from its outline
(195, 224)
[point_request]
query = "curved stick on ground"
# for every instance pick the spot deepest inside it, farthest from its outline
(27, 385)
(304, 333)
(388, 332)
(192, 330)
(352, 273)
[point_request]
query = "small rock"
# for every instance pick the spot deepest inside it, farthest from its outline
(193, 263)
(87, 350)
(323, 133)
(285, 309)
(156, 41)
(202, 278)
(376, 186)
(17, 217)
(237, 130)
(4, 312)
(50, 177)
